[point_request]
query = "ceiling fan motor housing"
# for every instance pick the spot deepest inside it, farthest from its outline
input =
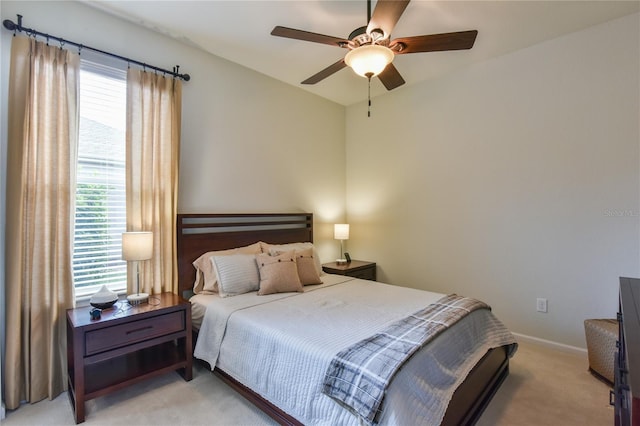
(360, 37)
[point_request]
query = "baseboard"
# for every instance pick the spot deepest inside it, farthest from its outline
(550, 344)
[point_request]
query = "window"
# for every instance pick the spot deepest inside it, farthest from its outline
(100, 216)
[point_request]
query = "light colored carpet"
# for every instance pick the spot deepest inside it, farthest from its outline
(545, 387)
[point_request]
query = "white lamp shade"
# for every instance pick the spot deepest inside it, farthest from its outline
(369, 59)
(341, 231)
(137, 245)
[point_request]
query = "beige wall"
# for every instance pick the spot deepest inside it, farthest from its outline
(505, 180)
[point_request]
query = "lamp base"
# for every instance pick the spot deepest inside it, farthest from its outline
(341, 261)
(138, 298)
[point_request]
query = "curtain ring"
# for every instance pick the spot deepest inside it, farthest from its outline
(80, 49)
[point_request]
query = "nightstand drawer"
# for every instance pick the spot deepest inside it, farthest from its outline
(364, 274)
(356, 268)
(125, 334)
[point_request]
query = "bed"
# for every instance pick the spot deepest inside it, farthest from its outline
(281, 373)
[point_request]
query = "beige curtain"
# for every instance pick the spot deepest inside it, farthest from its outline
(41, 159)
(154, 105)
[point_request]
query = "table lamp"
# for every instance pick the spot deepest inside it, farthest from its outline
(137, 246)
(341, 232)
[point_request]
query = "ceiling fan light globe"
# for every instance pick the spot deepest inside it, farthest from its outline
(369, 60)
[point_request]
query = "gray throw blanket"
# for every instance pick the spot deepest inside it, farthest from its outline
(359, 375)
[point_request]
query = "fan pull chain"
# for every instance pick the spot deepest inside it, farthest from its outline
(369, 97)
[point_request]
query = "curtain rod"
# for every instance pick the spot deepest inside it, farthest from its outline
(12, 26)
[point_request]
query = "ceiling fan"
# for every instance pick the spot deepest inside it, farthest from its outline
(371, 50)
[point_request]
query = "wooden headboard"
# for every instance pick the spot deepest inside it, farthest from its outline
(200, 233)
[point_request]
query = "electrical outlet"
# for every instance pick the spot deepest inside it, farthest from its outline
(541, 305)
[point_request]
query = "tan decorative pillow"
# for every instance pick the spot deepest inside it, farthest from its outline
(279, 248)
(306, 265)
(278, 274)
(206, 277)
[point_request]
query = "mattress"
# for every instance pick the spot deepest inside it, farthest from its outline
(280, 346)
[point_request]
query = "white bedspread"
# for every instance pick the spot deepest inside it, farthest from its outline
(212, 323)
(292, 338)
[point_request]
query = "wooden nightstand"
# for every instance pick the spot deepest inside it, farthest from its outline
(126, 345)
(355, 268)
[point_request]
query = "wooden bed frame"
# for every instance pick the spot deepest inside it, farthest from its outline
(199, 233)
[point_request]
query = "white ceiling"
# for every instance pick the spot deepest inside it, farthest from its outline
(240, 32)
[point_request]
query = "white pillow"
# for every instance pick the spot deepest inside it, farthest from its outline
(206, 277)
(237, 274)
(275, 249)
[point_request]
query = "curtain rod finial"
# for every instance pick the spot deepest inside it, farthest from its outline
(9, 24)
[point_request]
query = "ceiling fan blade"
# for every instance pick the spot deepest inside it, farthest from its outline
(309, 36)
(390, 77)
(435, 42)
(386, 14)
(326, 72)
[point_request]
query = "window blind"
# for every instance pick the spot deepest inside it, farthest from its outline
(100, 215)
